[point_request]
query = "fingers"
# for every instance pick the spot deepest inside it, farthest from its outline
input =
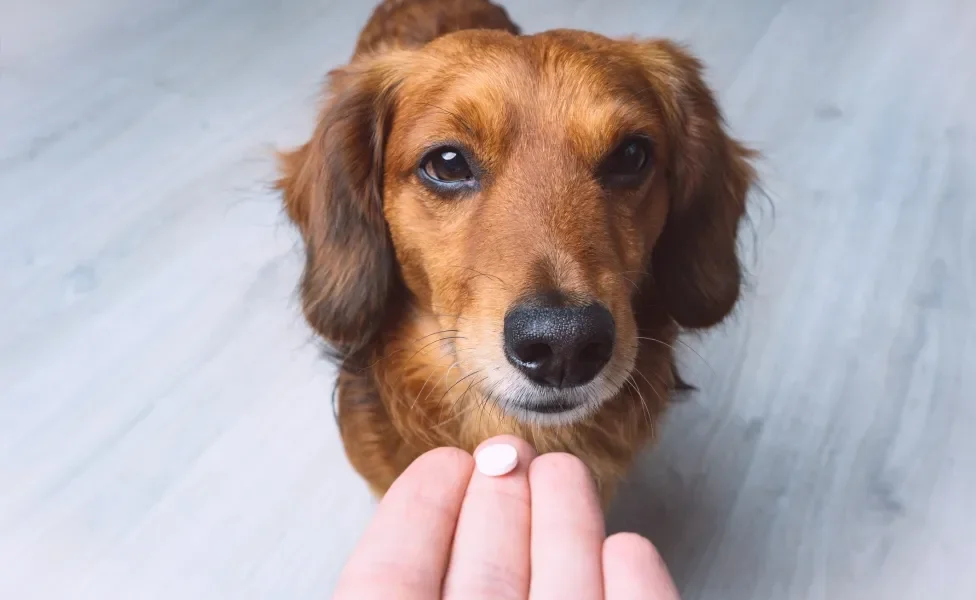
(405, 550)
(632, 568)
(408, 547)
(567, 530)
(490, 557)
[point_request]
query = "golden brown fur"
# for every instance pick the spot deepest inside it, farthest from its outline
(410, 288)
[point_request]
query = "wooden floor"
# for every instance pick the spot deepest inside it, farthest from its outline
(165, 421)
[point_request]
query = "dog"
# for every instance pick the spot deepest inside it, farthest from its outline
(506, 233)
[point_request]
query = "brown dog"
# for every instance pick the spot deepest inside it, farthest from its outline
(506, 233)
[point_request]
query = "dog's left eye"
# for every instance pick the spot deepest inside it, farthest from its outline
(627, 163)
(446, 165)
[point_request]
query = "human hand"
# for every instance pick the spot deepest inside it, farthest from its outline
(445, 530)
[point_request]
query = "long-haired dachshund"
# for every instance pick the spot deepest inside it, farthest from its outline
(505, 233)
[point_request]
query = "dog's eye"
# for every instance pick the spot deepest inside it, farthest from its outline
(446, 165)
(628, 161)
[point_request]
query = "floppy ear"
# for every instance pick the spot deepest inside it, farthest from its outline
(332, 190)
(695, 262)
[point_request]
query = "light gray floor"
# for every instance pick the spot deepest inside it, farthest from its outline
(165, 425)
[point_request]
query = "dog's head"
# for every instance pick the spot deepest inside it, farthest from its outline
(535, 195)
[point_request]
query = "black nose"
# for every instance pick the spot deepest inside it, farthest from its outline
(559, 346)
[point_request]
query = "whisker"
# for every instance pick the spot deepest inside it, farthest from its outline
(446, 392)
(381, 359)
(456, 401)
(476, 405)
(442, 340)
(439, 341)
(696, 353)
(652, 388)
(424, 386)
(423, 337)
(399, 350)
(673, 348)
(443, 311)
(631, 282)
(656, 341)
(425, 433)
(458, 415)
(483, 406)
(643, 402)
(446, 316)
(481, 274)
(639, 272)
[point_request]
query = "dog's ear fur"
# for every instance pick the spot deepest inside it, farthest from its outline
(332, 191)
(695, 264)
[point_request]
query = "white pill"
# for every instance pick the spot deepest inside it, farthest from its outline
(496, 460)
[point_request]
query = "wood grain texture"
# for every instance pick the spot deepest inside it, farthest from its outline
(165, 421)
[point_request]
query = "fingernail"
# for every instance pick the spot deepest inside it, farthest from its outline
(496, 460)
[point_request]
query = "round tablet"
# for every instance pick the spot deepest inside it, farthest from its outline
(496, 460)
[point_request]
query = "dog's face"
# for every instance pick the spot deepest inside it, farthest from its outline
(533, 195)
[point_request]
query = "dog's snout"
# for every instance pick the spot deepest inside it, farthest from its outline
(559, 346)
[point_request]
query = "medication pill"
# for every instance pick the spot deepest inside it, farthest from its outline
(496, 460)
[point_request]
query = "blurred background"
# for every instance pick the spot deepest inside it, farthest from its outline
(166, 429)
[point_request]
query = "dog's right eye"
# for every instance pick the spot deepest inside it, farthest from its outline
(446, 165)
